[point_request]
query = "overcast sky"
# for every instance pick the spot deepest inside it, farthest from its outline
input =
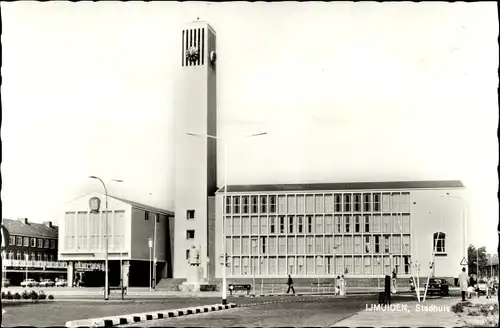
(346, 91)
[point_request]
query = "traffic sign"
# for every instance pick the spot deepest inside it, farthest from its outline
(463, 262)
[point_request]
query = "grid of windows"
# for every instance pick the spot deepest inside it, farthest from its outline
(351, 233)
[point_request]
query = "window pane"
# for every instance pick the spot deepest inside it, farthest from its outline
(263, 225)
(319, 207)
(272, 265)
(357, 245)
(282, 245)
(338, 224)
(263, 204)
(237, 225)
(228, 226)
(357, 265)
(329, 203)
(255, 224)
(357, 202)
(367, 224)
(309, 245)
(367, 199)
(281, 204)
(282, 266)
(291, 204)
(120, 230)
(376, 220)
(347, 223)
(272, 204)
(236, 246)
(236, 204)
(272, 245)
(291, 224)
(338, 246)
(254, 206)
(291, 245)
(245, 246)
(347, 202)
(367, 270)
(398, 224)
(245, 225)
(406, 223)
(337, 198)
(309, 204)
(348, 245)
(386, 223)
(328, 224)
(301, 245)
(301, 204)
(319, 224)
(319, 244)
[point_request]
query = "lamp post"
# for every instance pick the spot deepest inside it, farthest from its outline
(150, 244)
(318, 264)
(477, 263)
(464, 223)
(254, 246)
(26, 257)
(106, 267)
(223, 236)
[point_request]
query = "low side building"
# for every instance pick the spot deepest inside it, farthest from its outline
(130, 225)
(31, 251)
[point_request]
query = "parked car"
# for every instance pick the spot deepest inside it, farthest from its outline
(481, 287)
(438, 286)
(61, 283)
(29, 283)
(5, 282)
(46, 283)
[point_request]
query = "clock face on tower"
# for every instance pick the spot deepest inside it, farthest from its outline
(192, 54)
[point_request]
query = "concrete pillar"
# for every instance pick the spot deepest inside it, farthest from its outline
(126, 273)
(70, 273)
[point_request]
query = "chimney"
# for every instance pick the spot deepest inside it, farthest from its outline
(24, 220)
(48, 224)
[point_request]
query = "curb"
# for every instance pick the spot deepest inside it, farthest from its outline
(146, 316)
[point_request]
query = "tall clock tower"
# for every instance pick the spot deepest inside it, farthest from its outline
(195, 156)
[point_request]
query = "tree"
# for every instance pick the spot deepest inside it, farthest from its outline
(472, 256)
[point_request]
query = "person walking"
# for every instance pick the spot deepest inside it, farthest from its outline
(342, 286)
(394, 276)
(290, 284)
(463, 282)
(337, 286)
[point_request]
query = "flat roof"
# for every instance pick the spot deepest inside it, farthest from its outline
(387, 185)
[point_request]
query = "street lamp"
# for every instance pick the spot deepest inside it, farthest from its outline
(106, 267)
(254, 246)
(150, 244)
(318, 264)
(26, 257)
(464, 223)
(225, 143)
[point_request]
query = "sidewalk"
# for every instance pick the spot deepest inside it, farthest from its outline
(435, 312)
(140, 292)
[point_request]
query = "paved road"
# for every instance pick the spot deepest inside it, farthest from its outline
(321, 311)
(57, 313)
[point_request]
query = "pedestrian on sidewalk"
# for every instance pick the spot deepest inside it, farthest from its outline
(337, 286)
(290, 284)
(343, 286)
(464, 284)
(394, 289)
